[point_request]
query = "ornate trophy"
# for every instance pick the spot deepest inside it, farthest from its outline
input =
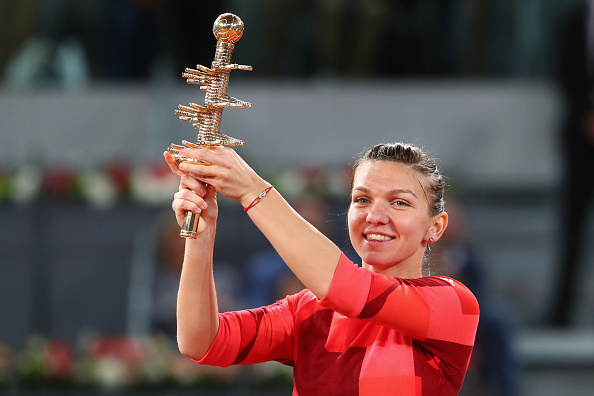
(228, 29)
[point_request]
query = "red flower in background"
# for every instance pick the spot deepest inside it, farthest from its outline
(119, 173)
(61, 359)
(60, 182)
(122, 348)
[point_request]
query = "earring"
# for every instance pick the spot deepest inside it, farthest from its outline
(431, 239)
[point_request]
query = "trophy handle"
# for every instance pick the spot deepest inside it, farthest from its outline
(190, 226)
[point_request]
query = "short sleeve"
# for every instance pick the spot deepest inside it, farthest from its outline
(253, 335)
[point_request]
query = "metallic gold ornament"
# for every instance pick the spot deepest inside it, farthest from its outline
(228, 29)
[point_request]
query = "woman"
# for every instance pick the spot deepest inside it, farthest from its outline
(381, 329)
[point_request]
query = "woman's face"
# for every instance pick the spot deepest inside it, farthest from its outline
(388, 219)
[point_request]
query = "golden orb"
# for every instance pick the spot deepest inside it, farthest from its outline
(228, 28)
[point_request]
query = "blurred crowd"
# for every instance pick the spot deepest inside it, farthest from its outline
(71, 42)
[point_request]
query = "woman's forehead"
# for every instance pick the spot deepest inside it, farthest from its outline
(387, 176)
(387, 171)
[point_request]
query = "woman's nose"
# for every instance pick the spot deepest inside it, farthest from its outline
(377, 214)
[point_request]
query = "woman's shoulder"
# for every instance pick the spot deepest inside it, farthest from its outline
(435, 281)
(445, 284)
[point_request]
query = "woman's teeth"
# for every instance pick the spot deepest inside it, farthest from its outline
(377, 237)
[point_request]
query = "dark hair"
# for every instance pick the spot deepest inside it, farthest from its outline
(432, 180)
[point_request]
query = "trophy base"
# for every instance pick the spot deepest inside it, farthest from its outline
(190, 227)
(188, 234)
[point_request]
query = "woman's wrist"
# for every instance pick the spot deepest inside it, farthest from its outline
(205, 237)
(257, 192)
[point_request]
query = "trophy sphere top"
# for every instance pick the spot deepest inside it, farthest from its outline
(228, 28)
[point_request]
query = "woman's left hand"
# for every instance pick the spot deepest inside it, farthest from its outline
(227, 172)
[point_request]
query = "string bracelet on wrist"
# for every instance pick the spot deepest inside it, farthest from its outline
(258, 198)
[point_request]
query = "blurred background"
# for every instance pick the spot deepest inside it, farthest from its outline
(499, 90)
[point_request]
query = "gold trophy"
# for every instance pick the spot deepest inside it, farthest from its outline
(228, 29)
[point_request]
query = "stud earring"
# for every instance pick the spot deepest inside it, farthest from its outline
(431, 239)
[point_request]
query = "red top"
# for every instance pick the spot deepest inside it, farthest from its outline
(371, 335)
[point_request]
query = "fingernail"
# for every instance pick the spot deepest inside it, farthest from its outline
(182, 166)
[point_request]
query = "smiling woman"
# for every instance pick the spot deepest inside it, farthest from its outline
(377, 330)
(391, 218)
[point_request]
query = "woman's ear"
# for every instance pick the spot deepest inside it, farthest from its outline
(438, 226)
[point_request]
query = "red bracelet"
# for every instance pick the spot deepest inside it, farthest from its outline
(258, 199)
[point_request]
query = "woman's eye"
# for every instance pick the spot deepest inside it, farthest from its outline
(360, 200)
(400, 203)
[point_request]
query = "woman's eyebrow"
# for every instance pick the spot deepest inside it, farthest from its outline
(391, 192)
(403, 191)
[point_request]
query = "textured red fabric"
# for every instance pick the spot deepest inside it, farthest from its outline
(371, 335)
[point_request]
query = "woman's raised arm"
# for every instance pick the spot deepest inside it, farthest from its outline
(308, 253)
(197, 309)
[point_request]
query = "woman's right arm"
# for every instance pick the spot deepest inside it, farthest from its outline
(197, 309)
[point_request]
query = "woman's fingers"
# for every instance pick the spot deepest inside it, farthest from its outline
(172, 164)
(227, 172)
(194, 194)
(188, 182)
(189, 200)
(215, 156)
(208, 154)
(202, 172)
(181, 206)
(187, 166)
(186, 201)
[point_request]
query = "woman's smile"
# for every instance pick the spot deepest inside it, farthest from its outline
(388, 217)
(378, 237)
